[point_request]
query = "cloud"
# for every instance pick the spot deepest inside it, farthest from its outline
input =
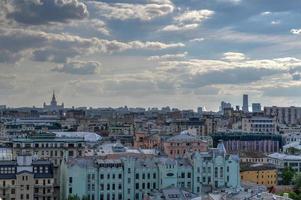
(195, 16)
(58, 47)
(126, 11)
(168, 57)
(296, 31)
(79, 68)
(291, 91)
(188, 20)
(229, 76)
(234, 56)
(179, 27)
(197, 40)
(35, 12)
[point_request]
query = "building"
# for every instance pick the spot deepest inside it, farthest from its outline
(130, 178)
(285, 115)
(258, 124)
(263, 174)
(147, 141)
(26, 178)
(253, 157)
(53, 106)
(49, 147)
(172, 193)
(237, 142)
(225, 105)
(177, 146)
(256, 107)
(245, 106)
(281, 161)
(292, 137)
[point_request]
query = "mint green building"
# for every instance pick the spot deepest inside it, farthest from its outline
(130, 178)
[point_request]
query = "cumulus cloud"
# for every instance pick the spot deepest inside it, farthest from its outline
(34, 12)
(195, 16)
(188, 20)
(180, 27)
(234, 56)
(296, 31)
(126, 11)
(79, 67)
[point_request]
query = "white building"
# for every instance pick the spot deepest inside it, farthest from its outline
(259, 124)
(292, 137)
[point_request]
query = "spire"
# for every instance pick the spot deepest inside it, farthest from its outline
(53, 101)
(53, 96)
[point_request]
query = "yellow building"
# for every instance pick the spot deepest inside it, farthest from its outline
(263, 174)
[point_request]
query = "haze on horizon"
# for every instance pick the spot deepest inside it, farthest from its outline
(150, 53)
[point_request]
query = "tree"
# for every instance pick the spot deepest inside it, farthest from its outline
(73, 197)
(297, 183)
(287, 175)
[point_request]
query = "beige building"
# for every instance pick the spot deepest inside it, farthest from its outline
(26, 178)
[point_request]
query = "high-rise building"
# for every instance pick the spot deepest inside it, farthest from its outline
(245, 106)
(224, 105)
(256, 107)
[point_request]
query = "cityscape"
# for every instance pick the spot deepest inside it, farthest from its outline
(150, 100)
(54, 152)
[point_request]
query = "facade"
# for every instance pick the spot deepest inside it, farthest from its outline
(285, 115)
(48, 146)
(130, 178)
(177, 146)
(245, 106)
(292, 137)
(263, 174)
(147, 141)
(238, 142)
(256, 124)
(26, 178)
(256, 107)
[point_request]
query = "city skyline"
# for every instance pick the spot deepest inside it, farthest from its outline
(150, 53)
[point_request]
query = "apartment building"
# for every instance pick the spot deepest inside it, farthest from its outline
(285, 115)
(177, 146)
(129, 178)
(26, 178)
(255, 124)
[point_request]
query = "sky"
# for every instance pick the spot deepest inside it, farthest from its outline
(150, 53)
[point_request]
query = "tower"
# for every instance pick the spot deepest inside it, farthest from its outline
(53, 100)
(245, 106)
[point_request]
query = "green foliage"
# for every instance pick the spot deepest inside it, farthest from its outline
(73, 197)
(287, 175)
(297, 182)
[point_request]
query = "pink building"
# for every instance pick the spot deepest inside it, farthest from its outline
(178, 145)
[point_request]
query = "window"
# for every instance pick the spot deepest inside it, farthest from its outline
(70, 180)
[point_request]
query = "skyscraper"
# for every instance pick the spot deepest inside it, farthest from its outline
(256, 107)
(245, 106)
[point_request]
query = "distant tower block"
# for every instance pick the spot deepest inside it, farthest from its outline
(245, 106)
